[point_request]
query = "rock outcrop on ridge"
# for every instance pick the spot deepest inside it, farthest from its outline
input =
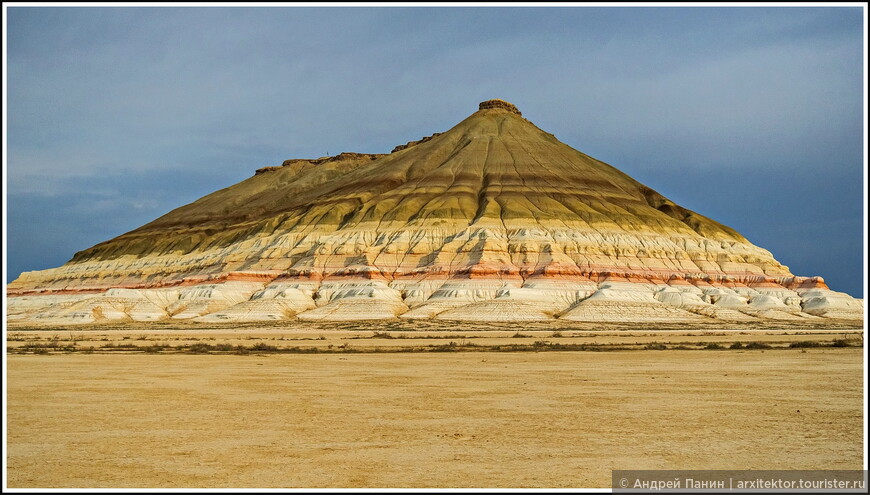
(492, 220)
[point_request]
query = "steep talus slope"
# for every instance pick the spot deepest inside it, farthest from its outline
(494, 218)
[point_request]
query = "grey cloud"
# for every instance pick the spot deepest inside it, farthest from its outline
(752, 116)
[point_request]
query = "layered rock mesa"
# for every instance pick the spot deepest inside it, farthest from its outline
(494, 219)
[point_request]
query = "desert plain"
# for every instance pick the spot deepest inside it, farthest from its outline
(418, 405)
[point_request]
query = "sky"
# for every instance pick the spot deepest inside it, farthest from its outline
(752, 116)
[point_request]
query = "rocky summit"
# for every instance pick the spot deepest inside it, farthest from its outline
(492, 220)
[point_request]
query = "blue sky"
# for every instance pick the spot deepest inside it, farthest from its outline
(751, 116)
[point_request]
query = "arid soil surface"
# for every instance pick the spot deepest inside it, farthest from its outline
(256, 407)
(415, 336)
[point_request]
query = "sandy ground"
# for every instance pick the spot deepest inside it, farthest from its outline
(417, 336)
(466, 419)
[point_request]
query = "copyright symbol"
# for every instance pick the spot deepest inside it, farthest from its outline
(623, 483)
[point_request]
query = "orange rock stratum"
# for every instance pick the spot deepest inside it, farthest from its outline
(493, 219)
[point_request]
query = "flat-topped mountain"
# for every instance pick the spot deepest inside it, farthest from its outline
(494, 219)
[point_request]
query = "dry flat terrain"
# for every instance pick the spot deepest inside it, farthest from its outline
(242, 417)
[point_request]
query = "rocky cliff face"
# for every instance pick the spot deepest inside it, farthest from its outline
(494, 219)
